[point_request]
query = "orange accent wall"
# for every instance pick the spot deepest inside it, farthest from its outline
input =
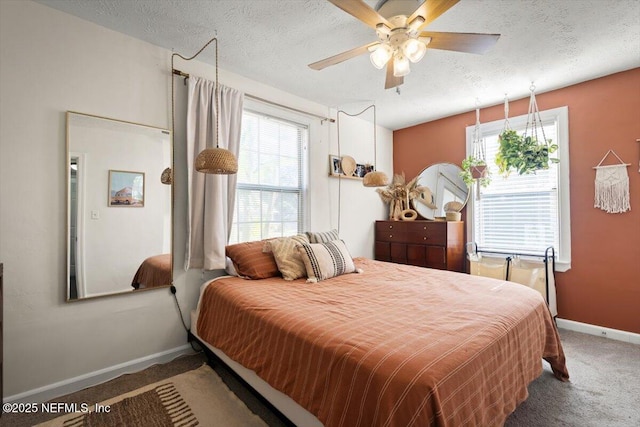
(603, 285)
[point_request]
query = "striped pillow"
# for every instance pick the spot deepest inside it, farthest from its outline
(287, 257)
(250, 262)
(325, 260)
(323, 236)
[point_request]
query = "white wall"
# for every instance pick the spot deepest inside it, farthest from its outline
(50, 63)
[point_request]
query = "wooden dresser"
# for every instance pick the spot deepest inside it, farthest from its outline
(433, 244)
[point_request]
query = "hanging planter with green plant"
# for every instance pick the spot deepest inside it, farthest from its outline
(524, 153)
(475, 169)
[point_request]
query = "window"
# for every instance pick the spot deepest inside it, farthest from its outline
(525, 213)
(271, 187)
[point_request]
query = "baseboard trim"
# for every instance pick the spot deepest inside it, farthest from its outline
(601, 331)
(71, 385)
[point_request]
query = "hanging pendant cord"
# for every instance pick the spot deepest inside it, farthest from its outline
(375, 152)
(173, 114)
(375, 142)
(217, 86)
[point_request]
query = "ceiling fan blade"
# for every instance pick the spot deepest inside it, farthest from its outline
(360, 10)
(336, 59)
(461, 42)
(431, 9)
(392, 81)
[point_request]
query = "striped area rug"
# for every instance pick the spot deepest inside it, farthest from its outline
(194, 398)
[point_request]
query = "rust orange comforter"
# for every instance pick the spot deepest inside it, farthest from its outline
(153, 272)
(393, 346)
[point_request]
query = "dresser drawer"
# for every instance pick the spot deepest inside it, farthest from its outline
(427, 234)
(390, 231)
(436, 257)
(383, 251)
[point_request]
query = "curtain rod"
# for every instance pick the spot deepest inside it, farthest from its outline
(266, 101)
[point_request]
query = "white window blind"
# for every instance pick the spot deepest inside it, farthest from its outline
(525, 214)
(519, 213)
(270, 188)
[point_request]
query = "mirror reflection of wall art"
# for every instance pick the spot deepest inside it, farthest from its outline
(126, 188)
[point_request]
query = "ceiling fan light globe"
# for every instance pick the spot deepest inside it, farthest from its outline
(380, 56)
(414, 49)
(401, 66)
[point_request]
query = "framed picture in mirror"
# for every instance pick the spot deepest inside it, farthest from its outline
(126, 188)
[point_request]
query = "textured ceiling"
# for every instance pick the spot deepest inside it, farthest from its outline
(553, 43)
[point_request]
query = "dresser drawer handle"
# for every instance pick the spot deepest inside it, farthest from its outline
(390, 235)
(391, 226)
(425, 238)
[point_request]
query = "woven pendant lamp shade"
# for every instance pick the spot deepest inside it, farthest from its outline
(166, 177)
(218, 161)
(375, 179)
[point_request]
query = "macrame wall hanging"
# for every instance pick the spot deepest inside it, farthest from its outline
(612, 186)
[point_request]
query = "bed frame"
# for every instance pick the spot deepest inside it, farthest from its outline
(213, 359)
(282, 406)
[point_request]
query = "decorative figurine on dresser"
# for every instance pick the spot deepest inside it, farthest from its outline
(424, 227)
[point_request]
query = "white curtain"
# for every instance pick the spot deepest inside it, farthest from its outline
(211, 197)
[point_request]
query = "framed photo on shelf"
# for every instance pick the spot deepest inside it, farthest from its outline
(335, 165)
(359, 169)
(362, 170)
(126, 189)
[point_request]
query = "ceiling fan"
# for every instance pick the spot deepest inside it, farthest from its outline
(400, 39)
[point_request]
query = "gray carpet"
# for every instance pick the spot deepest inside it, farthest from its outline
(604, 389)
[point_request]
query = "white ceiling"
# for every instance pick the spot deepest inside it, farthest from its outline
(553, 43)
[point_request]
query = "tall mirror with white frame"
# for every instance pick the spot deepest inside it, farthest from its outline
(119, 212)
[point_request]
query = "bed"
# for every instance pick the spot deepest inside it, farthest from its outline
(154, 272)
(394, 345)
